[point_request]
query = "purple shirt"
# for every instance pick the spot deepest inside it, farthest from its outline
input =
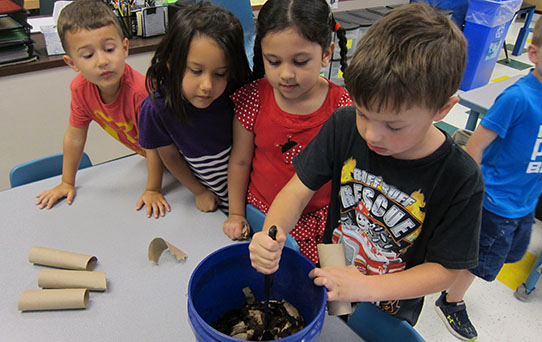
(204, 141)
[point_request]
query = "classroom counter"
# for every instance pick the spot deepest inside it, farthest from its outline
(137, 45)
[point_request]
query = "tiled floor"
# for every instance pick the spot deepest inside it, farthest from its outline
(492, 307)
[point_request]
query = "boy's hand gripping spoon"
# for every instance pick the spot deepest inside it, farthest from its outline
(268, 284)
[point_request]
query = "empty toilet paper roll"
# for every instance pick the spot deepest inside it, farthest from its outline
(56, 299)
(62, 259)
(333, 255)
(65, 279)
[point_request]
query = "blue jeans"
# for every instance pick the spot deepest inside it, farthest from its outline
(502, 240)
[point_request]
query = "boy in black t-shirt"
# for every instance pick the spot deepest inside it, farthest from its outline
(406, 200)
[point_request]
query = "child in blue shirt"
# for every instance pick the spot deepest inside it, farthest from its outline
(508, 146)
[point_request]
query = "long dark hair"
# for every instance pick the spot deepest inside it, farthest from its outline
(311, 18)
(168, 64)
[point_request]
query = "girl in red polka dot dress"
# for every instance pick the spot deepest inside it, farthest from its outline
(278, 115)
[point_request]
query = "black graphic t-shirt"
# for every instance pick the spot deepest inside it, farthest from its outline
(393, 214)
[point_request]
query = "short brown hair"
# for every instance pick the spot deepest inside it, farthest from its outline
(85, 15)
(537, 33)
(411, 56)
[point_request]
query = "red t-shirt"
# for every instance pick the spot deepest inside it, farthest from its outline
(279, 137)
(118, 118)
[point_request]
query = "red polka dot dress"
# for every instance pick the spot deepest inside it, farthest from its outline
(279, 137)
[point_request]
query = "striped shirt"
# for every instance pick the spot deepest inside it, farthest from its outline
(212, 172)
(205, 141)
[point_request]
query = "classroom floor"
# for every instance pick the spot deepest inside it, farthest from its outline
(492, 307)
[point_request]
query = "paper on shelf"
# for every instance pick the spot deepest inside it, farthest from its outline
(52, 40)
(57, 7)
(38, 22)
(333, 255)
(62, 259)
(159, 245)
(57, 299)
(64, 279)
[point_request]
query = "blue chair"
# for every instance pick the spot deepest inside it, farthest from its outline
(41, 168)
(374, 325)
(256, 218)
(243, 11)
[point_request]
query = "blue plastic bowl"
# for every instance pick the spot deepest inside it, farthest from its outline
(216, 286)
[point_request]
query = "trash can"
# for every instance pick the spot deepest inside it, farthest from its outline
(486, 25)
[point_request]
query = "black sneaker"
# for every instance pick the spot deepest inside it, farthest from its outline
(454, 316)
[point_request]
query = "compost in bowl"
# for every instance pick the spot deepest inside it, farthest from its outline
(216, 285)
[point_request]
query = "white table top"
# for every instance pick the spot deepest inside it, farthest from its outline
(481, 99)
(143, 302)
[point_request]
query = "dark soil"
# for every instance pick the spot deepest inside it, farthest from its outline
(247, 322)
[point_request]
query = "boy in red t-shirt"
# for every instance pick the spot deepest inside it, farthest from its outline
(106, 90)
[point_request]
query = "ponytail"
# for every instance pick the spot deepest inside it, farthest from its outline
(341, 35)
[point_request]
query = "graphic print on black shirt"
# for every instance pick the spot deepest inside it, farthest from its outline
(378, 221)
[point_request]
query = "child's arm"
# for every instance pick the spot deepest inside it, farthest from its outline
(283, 213)
(152, 197)
(238, 176)
(478, 142)
(346, 283)
(73, 146)
(206, 200)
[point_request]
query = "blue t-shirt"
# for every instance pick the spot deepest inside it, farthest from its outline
(205, 141)
(512, 163)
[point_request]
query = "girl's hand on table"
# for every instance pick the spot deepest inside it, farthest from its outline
(207, 201)
(234, 225)
(155, 203)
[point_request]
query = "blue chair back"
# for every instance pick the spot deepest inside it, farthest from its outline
(243, 11)
(41, 168)
(256, 218)
(372, 324)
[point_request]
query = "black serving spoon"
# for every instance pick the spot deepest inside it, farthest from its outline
(268, 285)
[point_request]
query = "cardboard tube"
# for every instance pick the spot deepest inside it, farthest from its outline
(63, 279)
(62, 259)
(57, 299)
(333, 255)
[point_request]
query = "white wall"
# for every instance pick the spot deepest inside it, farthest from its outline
(34, 112)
